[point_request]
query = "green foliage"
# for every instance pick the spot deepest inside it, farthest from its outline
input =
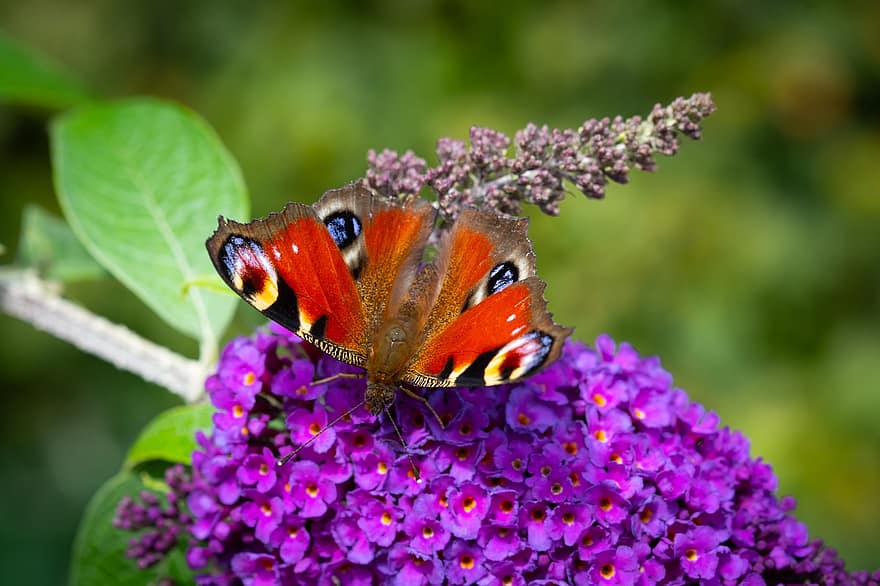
(48, 245)
(98, 557)
(170, 437)
(141, 183)
(29, 78)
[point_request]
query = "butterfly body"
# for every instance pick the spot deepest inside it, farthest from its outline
(348, 275)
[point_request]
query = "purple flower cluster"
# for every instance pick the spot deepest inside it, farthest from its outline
(544, 160)
(159, 522)
(595, 471)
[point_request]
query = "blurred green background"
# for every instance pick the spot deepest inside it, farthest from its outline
(750, 262)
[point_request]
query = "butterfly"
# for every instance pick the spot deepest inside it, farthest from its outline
(348, 275)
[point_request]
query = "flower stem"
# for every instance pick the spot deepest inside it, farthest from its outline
(35, 301)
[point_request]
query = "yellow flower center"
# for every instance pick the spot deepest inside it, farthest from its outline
(600, 435)
(523, 419)
(607, 571)
(571, 448)
(599, 399)
(382, 468)
(312, 490)
(568, 518)
(264, 469)
(638, 413)
(386, 518)
(468, 504)
(237, 411)
(691, 555)
(267, 509)
(466, 562)
(427, 532)
(314, 428)
(249, 379)
(605, 504)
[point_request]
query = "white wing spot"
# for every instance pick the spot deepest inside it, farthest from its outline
(295, 248)
(511, 317)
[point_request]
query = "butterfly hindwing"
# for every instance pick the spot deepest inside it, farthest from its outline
(289, 267)
(382, 243)
(489, 323)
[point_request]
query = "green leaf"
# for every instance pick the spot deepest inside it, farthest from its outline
(50, 246)
(142, 183)
(29, 78)
(171, 436)
(98, 556)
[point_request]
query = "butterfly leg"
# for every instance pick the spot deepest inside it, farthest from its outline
(338, 376)
(421, 398)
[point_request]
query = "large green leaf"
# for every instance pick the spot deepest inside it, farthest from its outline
(48, 245)
(141, 183)
(98, 557)
(29, 78)
(170, 437)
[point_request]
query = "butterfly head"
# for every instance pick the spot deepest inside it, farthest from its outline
(379, 397)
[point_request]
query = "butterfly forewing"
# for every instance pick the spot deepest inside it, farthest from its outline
(289, 267)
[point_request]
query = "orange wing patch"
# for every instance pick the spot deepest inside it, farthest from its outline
(306, 257)
(506, 337)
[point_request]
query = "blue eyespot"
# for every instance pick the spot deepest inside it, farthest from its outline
(344, 228)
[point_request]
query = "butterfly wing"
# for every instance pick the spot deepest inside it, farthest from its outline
(328, 271)
(489, 323)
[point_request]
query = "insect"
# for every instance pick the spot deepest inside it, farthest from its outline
(347, 274)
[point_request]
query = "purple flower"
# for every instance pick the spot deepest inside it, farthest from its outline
(255, 569)
(697, 551)
(464, 563)
(259, 470)
(468, 505)
(597, 470)
(379, 522)
(614, 566)
(311, 491)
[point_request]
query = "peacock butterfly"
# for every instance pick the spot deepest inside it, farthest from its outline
(347, 274)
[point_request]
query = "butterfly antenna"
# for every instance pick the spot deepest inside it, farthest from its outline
(338, 376)
(412, 463)
(311, 440)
